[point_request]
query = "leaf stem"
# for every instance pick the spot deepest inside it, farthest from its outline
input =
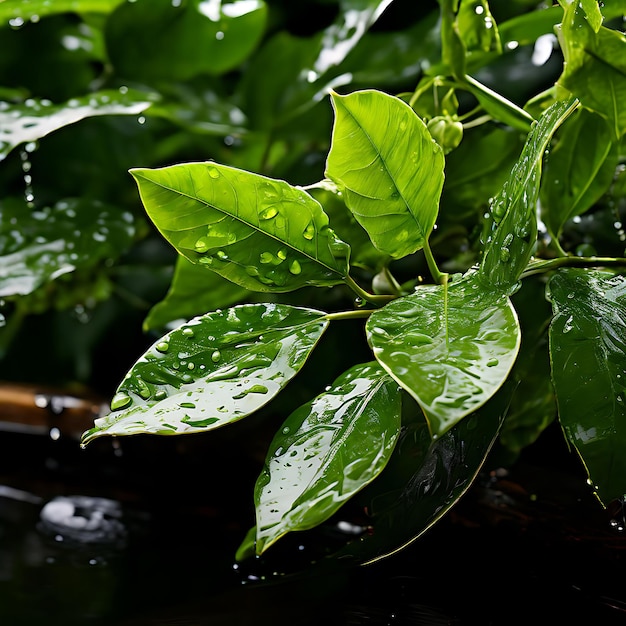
(377, 300)
(439, 277)
(349, 315)
(540, 267)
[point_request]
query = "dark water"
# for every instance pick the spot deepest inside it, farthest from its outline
(144, 534)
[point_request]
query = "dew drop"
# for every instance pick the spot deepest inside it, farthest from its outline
(214, 172)
(187, 405)
(160, 395)
(269, 213)
(188, 332)
(216, 356)
(119, 401)
(266, 257)
(162, 346)
(309, 231)
(295, 268)
(201, 245)
(492, 362)
(221, 255)
(505, 255)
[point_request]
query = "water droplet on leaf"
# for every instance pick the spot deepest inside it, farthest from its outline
(119, 401)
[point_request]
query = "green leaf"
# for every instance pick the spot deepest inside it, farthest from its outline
(327, 451)
(260, 233)
(216, 369)
(477, 27)
(162, 40)
(513, 235)
(593, 15)
(40, 246)
(579, 170)
(587, 352)
(424, 480)
(525, 29)
(33, 10)
(193, 292)
(35, 118)
(595, 67)
(450, 348)
(388, 168)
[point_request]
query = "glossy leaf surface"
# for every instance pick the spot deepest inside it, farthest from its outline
(588, 357)
(388, 168)
(213, 370)
(34, 119)
(54, 241)
(327, 450)
(424, 480)
(193, 292)
(595, 67)
(451, 351)
(513, 235)
(164, 40)
(260, 233)
(579, 170)
(27, 10)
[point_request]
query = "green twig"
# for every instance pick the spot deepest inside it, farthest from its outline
(376, 300)
(540, 267)
(349, 315)
(438, 276)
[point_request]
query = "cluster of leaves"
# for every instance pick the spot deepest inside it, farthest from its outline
(459, 358)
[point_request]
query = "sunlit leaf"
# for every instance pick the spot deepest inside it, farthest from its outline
(388, 168)
(477, 27)
(579, 170)
(450, 349)
(260, 233)
(38, 246)
(193, 291)
(214, 370)
(327, 450)
(424, 480)
(595, 67)
(588, 356)
(165, 40)
(34, 119)
(513, 235)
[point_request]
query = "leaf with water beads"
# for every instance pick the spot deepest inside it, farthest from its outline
(327, 450)
(20, 12)
(388, 167)
(34, 118)
(450, 350)
(214, 370)
(43, 245)
(588, 360)
(260, 233)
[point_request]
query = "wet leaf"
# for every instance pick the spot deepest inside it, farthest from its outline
(388, 167)
(38, 246)
(477, 27)
(33, 10)
(513, 235)
(579, 170)
(327, 450)
(214, 370)
(588, 358)
(36, 118)
(424, 480)
(595, 67)
(451, 351)
(193, 292)
(163, 40)
(260, 233)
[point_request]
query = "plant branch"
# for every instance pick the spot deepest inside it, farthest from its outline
(349, 315)
(377, 300)
(540, 267)
(438, 276)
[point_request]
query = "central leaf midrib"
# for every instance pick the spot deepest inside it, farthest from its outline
(384, 162)
(242, 221)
